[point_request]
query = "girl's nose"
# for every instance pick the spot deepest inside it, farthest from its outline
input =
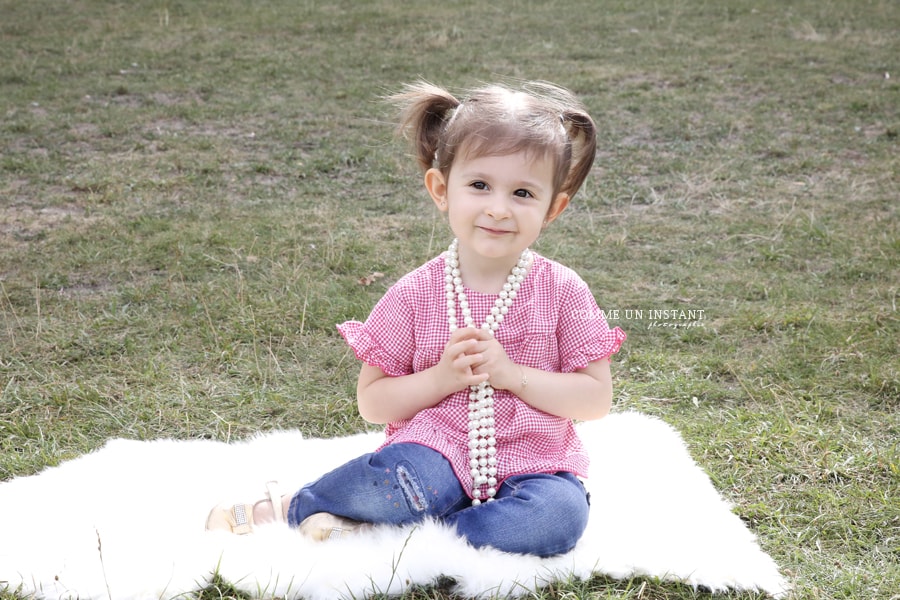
(497, 208)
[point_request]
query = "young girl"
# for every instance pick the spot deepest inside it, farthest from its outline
(479, 360)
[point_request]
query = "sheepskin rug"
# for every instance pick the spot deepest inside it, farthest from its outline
(127, 521)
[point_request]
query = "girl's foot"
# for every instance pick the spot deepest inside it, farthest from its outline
(326, 526)
(241, 518)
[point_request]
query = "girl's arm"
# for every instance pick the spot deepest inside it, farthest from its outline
(384, 399)
(584, 394)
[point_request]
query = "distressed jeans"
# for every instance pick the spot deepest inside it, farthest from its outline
(542, 514)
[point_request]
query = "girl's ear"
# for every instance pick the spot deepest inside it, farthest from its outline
(436, 185)
(558, 205)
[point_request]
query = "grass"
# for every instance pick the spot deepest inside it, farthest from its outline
(192, 194)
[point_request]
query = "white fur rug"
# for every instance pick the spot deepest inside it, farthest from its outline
(127, 521)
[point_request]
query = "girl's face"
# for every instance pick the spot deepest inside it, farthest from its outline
(497, 205)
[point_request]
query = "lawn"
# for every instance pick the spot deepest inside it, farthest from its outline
(193, 194)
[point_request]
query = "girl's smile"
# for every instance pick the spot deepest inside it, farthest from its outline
(495, 231)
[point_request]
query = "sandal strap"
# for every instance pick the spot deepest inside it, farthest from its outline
(243, 518)
(240, 514)
(273, 490)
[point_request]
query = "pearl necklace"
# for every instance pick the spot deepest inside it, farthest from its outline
(482, 443)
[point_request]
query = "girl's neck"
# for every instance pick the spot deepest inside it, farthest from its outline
(484, 275)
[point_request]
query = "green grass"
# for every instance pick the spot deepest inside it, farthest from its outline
(192, 192)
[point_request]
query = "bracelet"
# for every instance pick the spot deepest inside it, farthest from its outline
(524, 377)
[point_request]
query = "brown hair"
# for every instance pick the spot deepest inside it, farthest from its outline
(540, 118)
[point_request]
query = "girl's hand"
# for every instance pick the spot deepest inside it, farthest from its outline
(459, 357)
(493, 362)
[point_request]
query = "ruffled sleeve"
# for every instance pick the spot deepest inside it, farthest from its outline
(583, 333)
(370, 351)
(603, 346)
(387, 339)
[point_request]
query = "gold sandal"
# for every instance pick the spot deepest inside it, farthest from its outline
(238, 518)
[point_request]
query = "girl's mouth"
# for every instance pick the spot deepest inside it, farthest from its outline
(493, 231)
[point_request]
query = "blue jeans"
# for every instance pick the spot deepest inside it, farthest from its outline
(542, 514)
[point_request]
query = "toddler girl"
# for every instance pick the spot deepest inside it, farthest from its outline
(479, 360)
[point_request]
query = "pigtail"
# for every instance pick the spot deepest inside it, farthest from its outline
(583, 133)
(424, 110)
(577, 157)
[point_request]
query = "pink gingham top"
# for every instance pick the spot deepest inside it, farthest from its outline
(554, 324)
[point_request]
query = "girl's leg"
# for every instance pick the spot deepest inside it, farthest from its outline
(400, 484)
(542, 514)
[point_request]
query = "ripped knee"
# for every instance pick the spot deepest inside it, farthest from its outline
(412, 489)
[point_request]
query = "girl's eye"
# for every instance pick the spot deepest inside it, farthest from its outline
(479, 185)
(522, 193)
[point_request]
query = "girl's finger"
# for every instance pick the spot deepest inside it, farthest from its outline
(466, 346)
(467, 361)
